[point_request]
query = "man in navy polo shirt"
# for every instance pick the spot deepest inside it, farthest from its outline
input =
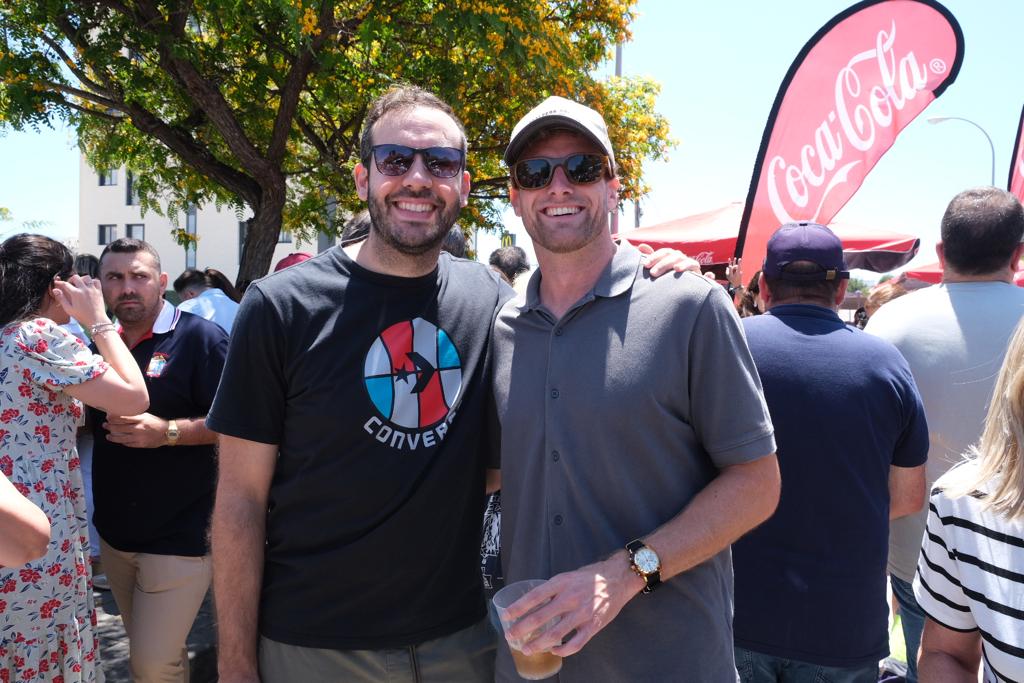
(154, 473)
(852, 442)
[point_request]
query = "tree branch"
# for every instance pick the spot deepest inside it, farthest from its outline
(295, 81)
(70, 64)
(325, 152)
(84, 94)
(195, 154)
(91, 112)
(206, 95)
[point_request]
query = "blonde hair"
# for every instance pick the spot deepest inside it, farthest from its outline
(882, 294)
(995, 464)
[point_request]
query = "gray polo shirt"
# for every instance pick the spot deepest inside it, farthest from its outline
(612, 419)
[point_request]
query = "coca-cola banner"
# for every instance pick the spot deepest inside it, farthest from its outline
(1015, 184)
(855, 85)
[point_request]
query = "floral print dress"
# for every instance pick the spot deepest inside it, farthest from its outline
(47, 614)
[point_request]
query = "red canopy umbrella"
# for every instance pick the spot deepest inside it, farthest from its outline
(932, 274)
(710, 237)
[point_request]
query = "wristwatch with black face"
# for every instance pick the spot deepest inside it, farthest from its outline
(645, 562)
(173, 433)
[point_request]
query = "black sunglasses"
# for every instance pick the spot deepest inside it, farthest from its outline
(580, 169)
(395, 160)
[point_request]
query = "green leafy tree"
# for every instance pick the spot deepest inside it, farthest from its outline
(6, 215)
(858, 285)
(257, 104)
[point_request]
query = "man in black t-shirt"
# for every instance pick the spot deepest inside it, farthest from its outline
(352, 452)
(154, 473)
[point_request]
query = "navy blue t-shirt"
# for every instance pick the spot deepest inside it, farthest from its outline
(810, 582)
(159, 500)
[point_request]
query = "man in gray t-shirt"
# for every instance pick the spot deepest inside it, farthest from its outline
(636, 445)
(954, 337)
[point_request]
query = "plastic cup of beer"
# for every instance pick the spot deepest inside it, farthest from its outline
(533, 667)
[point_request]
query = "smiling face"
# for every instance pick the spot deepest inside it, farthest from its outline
(413, 212)
(563, 217)
(133, 286)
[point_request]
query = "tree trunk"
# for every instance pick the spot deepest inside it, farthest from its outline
(261, 237)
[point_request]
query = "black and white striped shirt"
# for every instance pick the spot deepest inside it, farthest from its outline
(970, 577)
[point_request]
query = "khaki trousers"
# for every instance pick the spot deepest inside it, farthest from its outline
(159, 597)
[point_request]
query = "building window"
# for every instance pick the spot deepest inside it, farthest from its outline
(135, 231)
(284, 237)
(243, 232)
(191, 226)
(131, 191)
(108, 177)
(107, 234)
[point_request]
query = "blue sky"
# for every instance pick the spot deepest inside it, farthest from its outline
(720, 65)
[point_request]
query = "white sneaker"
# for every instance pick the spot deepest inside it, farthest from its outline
(100, 582)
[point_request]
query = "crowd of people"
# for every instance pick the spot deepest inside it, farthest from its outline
(715, 483)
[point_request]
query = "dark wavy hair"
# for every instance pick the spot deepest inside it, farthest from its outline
(28, 264)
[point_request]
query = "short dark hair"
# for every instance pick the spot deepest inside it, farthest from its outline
(130, 245)
(980, 230)
(190, 277)
(822, 292)
(455, 242)
(402, 97)
(28, 264)
(511, 261)
(205, 279)
(87, 264)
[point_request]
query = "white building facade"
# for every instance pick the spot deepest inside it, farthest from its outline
(108, 209)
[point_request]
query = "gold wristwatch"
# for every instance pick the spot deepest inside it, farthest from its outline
(173, 433)
(646, 563)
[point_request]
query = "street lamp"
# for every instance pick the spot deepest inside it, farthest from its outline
(940, 119)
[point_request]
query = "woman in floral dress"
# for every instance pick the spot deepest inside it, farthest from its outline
(47, 615)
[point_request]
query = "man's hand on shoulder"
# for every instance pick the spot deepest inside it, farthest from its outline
(585, 600)
(137, 431)
(666, 260)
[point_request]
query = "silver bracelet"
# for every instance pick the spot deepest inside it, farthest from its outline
(100, 328)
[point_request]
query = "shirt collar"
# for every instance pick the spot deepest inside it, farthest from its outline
(617, 278)
(805, 311)
(165, 321)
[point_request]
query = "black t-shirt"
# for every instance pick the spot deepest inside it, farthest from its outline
(375, 390)
(158, 500)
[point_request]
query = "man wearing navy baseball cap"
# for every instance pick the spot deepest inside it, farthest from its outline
(852, 442)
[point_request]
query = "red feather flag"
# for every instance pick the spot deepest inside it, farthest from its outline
(855, 85)
(1015, 183)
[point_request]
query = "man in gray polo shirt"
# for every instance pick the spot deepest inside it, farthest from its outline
(636, 445)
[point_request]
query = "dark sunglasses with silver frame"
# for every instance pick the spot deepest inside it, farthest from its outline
(396, 160)
(580, 169)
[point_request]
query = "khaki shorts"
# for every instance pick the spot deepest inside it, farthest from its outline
(466, 656)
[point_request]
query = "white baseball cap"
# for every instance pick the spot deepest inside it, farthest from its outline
(559, 112)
